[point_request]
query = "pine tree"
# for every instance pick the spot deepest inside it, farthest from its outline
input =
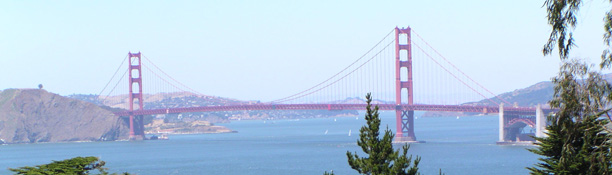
(382, 159)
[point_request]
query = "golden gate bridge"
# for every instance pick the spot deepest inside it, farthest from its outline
(403, 72)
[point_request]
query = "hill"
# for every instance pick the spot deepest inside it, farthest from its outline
(35, 115)
(539, 93)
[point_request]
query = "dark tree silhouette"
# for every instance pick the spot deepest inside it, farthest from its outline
(74, 166)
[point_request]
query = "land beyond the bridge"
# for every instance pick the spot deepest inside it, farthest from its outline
(537, 94)
(187, 100)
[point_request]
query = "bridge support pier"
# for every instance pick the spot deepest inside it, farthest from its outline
(137, 127)
(404, 125)
(501, 123)
(512, 126)
(540, 122)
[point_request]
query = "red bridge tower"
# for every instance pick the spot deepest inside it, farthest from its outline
(136, 122)
(404, 117)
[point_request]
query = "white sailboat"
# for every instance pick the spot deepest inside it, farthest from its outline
(349, 132)
(326, 132)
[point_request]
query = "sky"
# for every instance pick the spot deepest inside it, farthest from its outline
(264, 50)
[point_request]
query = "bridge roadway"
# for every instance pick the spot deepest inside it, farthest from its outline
(252, 107)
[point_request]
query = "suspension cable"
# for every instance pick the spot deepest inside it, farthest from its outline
(455, 76)
(113, 77)
(357, 68)
(111, 91)
(191, 90)
(157, 75)
(347, 67)
(446, 60)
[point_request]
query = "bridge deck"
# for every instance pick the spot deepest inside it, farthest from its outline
(446, 108)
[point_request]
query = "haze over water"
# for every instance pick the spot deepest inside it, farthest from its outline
(307, 146)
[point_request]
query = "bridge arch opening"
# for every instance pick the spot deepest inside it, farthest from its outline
(135, 59)
(404, 95)
(520, 129)
(403, 55)
(403, 38)
(135, 73)
(404, 71)
(136, 88)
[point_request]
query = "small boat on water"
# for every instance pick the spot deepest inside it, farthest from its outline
(160, 137)
(349, 132)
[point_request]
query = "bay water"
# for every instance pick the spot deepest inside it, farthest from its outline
(455, 145)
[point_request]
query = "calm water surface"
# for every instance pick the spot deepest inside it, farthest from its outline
(307, 146)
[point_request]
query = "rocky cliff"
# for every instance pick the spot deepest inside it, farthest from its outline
(35, 115)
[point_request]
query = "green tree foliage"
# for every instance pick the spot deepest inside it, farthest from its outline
(577, 142)
(382, 159)
(73, 166)
(561, 16)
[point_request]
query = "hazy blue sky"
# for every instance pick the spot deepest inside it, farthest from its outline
(270, 49)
